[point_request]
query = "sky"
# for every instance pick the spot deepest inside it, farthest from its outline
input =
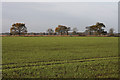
(39, 16)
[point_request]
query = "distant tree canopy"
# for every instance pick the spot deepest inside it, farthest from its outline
(97, 29)
(18, 29)
(62, 29)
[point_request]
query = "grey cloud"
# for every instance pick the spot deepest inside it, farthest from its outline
(41, 16)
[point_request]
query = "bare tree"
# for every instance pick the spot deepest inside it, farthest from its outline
(111, 31)
(50, 31)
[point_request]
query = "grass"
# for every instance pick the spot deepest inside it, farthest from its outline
(60, 57)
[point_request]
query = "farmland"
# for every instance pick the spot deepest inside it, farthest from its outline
(60, 57)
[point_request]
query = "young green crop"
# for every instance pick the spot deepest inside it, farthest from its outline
(60, 57)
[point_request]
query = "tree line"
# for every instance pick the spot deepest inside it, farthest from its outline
(97, 29)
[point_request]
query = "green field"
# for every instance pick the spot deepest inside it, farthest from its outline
(60, 57)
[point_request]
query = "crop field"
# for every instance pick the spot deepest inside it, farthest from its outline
(60, 57)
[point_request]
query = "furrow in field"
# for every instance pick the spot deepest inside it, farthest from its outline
(62, 60)
(58, 62)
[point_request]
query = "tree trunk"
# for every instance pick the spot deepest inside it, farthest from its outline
(19, 32)
(67, 32)
(61, 33)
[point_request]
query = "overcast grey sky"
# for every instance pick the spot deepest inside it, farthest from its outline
(39, 16)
